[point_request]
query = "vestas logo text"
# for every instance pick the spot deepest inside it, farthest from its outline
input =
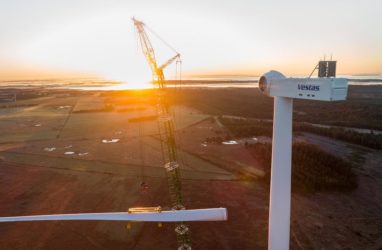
(308, 87)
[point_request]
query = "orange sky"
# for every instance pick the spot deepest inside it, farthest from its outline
(49, 39)
(15, 72)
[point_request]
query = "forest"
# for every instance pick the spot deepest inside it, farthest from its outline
(362, 109)
(312, 168)
(241, 128)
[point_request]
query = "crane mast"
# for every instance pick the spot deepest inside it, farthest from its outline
(166, 132)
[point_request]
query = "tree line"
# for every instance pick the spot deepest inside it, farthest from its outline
(247, 128)
(370, 140)
(312, 168)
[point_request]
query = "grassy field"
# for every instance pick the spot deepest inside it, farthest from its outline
(206, 170)
(51, 124)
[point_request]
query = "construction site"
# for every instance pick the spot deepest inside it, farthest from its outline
(134, 135)
(75, 151)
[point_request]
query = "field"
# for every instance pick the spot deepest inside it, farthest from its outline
(40, 177)
(74, 151)
(69, 132)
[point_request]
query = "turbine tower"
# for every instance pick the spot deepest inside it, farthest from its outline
(274, 84)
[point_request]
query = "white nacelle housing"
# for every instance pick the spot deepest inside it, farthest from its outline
(274, 83)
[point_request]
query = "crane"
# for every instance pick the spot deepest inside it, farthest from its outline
(166, 131)
(178, 213)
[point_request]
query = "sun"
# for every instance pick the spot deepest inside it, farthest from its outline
(137, 81)
(131, 86)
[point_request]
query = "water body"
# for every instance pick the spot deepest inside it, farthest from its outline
(194, 82)
(230, 82)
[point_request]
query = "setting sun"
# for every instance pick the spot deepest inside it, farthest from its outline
(246, 124)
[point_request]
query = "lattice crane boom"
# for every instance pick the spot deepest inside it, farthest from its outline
(146, 46)
(167, 131)
(169, 61)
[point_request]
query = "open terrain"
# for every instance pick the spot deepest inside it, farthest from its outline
(77, 151)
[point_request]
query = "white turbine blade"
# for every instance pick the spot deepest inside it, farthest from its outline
(210, 214)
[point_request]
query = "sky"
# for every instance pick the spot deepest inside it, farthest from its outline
(83, 38)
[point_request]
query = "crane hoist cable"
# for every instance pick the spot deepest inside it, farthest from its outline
(166, 129)
(142, 155)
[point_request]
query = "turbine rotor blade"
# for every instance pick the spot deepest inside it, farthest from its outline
(209, 214)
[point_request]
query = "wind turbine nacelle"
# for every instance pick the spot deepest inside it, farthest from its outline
(274, 83)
